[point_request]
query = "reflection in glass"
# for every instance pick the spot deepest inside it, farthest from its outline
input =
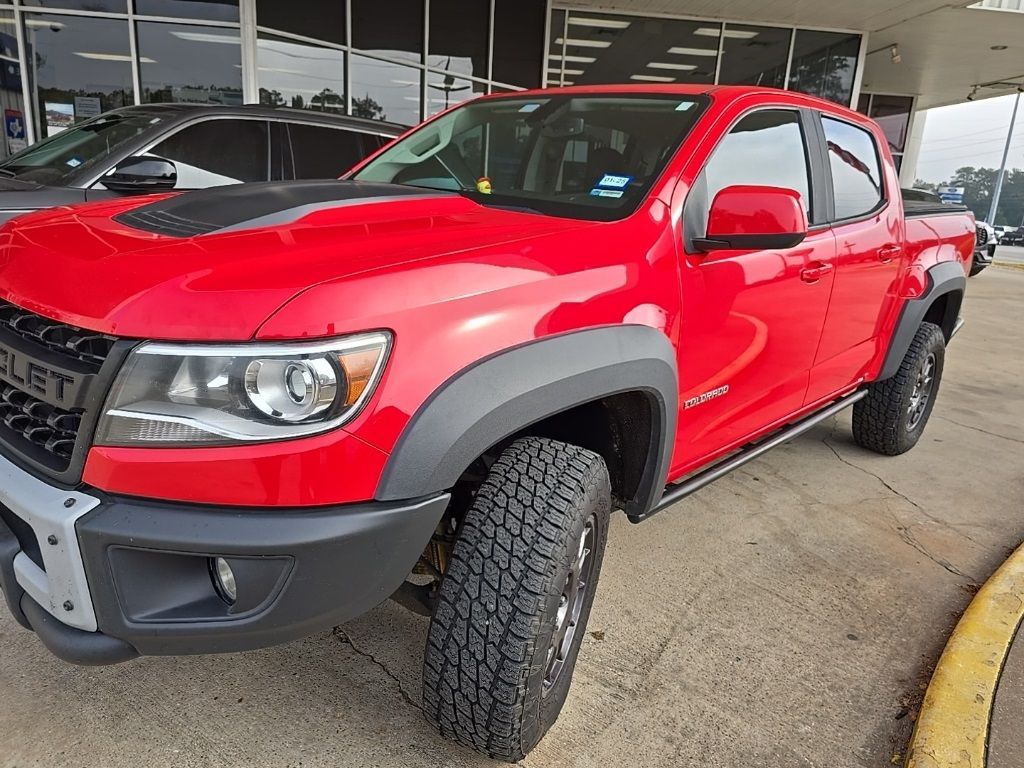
(458, 36)
(444, 91)
(519, 41)
(609, 48)
(824, 64)
(10, 87)
(893, 114)
(115, 6)
(300, 75)
(182, 62)
(320, 19)
(391, 28)
(79, 67)
(382, 90)
(213, 10)
(856, 174)
(753, 55)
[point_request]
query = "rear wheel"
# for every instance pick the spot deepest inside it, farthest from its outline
(892, 418)
(514, 602)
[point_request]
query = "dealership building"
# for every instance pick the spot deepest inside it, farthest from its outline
(404, 60)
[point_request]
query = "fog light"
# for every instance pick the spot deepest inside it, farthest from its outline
(223, 580)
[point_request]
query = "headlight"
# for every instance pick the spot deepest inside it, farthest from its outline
(207, 394)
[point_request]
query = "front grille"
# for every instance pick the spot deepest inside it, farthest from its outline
(982, 236)
(48, 372)
(39, 424)
(82, 345)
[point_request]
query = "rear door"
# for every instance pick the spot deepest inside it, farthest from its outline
(750, 319)
(870, 231)
(323, 152)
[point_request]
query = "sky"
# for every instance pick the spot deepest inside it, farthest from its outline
(972, 133)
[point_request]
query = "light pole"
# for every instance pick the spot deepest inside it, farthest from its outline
(1002, 167)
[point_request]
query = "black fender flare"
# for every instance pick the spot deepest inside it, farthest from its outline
(503, 394)
(944, 278)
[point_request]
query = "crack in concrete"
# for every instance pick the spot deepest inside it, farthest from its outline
(904, 530)
(983, 431)
(343, 637)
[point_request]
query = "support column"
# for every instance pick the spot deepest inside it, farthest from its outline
(912, 152)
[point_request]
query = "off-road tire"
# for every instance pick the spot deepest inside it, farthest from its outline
(882, 421)
(486, 673)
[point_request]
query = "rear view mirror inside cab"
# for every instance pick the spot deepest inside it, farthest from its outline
(747, 217)
(564, 128)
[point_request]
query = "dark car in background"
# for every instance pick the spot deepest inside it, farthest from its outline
(155, 147)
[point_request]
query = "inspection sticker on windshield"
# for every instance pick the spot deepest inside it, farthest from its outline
(608, 181)
(684, 106)
(74, 162)
(529, 107)
(598, 192)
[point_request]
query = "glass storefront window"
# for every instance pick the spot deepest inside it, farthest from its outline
(893, 114)
(458, 36)
(109, 6)
(390, 28)
(79, 67)
(383, 90)
(444, 91)
(519, 42)
(824, 64)
(753, 55)
(16, 135)
(606, 48)
(321, 19)
(300, 75)
(183, 62)
(212, 10)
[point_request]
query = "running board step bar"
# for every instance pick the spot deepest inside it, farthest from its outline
(694, 483)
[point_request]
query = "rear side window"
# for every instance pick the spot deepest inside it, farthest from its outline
(325, 153)
(200, 155)
(765, 148)
(856, 171)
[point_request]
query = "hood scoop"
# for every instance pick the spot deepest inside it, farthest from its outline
(265, 204)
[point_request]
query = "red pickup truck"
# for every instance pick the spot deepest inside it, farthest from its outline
(235, 417)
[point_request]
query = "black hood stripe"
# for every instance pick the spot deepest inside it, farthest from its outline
(248, 206)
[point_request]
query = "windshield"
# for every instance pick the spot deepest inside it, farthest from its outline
(55, 160)
(581, 156)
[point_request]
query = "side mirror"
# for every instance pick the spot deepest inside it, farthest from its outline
(141, 174)
(753, 218)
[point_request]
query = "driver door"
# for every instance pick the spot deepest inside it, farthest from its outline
(751, 320)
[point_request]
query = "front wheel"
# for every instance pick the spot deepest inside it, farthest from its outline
(514, 602)
(892, 418)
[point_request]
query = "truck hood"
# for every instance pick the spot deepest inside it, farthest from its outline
(215, 264)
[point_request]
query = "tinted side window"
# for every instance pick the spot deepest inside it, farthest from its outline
(324, 153)
(765, 148)
(216, 152)
(856, 172)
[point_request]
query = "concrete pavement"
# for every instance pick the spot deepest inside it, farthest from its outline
(788, 615)
(1009, 254)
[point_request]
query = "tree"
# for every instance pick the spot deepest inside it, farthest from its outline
(367, 107)
(271, 98)
(979, 186)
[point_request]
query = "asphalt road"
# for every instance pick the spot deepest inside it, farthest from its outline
(787, 615)
(1009, 254)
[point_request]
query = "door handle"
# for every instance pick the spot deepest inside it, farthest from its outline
(889, 252)
(815, 271)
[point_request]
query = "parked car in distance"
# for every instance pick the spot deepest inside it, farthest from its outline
(984, 248)
(120, 152)
(1013, 237)
(276, 401)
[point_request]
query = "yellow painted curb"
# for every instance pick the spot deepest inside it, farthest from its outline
(952, 728)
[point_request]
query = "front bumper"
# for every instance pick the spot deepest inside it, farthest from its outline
(104, 579)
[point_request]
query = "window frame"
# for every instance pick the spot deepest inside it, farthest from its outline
(817, 165)
(829, 181)
(358, 136)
